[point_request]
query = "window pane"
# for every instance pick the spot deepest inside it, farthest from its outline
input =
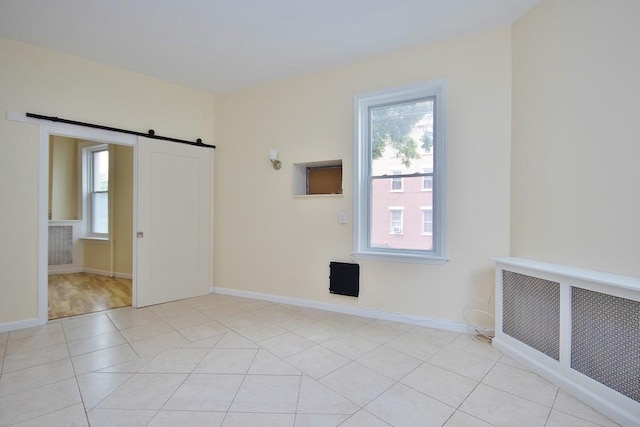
(100, 213)
(396, 228)
(427, 183)
(402, 137)
(100, 167)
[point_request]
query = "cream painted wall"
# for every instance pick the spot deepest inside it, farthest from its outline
(63, 178)
(270, 242)
(576, 143)
(45, 82)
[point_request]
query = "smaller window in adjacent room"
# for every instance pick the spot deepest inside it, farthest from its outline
(96, 190)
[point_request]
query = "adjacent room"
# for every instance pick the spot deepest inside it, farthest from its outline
(337, 213)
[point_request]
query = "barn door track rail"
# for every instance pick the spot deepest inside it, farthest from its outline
(150, 134)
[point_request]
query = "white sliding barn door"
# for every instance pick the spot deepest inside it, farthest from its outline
(174, 216)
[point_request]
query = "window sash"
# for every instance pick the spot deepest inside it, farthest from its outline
(364, 178)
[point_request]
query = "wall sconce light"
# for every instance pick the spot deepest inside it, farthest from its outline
(273, 155)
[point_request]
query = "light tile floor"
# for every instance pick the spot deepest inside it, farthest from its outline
(224, 361)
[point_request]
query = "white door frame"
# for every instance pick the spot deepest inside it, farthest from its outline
(79, 132)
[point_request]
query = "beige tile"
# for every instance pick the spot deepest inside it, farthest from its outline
(560, 419)
(187, 418)
(261, 331)
(129, 317)
(36, 330)
(390, 362)
(351, 346)
(570, 405)
(90, 330)
(239, 321)
(205, 392)
(205, 343)
(317, 361)
(463, 363)
(460, 419)
(522, 383)
(287, 344)
(227, 361)
(319, 420)
(91, 319)
(420, 348)
(28, 359)
(482, 349)
(119, 417)
(316, 398)
(176, 360)
(233, 340)
(73, 416)
(440, 384)
(103, 359)
(319, 332)
(146, 331)
(98, 342)
(506, 360)
(158, 343)
(143, 391)
(185, 319)
(37, 402)
(203, 331)
(377, 333)
(34, 377)
(404, 327)
(34, 342)
(504, 409)
(262, 420)
(439, 336)
(347, 321)
(401, 405)
(364, 418)
(267, 393)
(357, 383)
(131, 367)
(95, 386)
(266, 363)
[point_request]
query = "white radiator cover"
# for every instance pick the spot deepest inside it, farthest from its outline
(580, 329)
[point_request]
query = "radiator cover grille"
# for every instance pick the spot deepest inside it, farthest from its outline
(605, 340)
(531, 311)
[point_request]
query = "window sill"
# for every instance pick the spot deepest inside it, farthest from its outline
(409, 258)
(102, 240)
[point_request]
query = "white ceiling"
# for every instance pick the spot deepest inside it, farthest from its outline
(223, 45)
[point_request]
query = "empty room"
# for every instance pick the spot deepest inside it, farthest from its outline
(336, 213)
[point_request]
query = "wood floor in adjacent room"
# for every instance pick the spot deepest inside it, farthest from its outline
(79, 293)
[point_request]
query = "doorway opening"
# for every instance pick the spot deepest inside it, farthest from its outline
(66, 245)
(90, 226)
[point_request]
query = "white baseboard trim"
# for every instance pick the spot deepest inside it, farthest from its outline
(354, 311)
(70, 270)
(107, 273)
(19, 324)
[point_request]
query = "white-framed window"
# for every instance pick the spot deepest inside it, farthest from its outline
(95, 168)
(427, 220)
(402, 130)
(396, 217)
(396, 180)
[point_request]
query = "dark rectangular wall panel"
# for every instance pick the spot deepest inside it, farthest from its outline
(344, 279)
